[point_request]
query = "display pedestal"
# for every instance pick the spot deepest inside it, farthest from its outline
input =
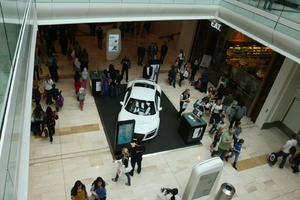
(95, 77)
(191, 128)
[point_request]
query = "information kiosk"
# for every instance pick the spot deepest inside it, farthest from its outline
(124, 135)
(203, 180)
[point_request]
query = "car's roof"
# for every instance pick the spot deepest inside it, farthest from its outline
(142, 93)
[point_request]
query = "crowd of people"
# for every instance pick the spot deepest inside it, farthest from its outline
(218, 105)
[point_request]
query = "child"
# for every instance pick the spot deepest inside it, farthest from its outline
(236, 150)
(81, 97)
(238, 130)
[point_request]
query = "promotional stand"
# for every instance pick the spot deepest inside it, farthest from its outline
(124, 136)
(95, 77)
(203, 180)
(155, 64)
(113, 44)
(191, 128)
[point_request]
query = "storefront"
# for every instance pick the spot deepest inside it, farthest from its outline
(250, 66)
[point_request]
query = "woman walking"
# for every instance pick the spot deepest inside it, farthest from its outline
(50, 118)
(85, 77)
(81, 97)
(124, 167)
(78, 191)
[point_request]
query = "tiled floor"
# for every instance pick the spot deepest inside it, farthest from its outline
(85, 155)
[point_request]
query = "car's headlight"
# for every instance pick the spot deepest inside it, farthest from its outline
(151, 133)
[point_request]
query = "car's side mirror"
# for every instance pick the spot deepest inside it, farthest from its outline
(160, 108)
(121, 103)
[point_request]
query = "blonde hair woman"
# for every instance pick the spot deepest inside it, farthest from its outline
(124, 167)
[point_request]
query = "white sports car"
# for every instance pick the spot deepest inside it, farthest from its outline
(142, 104)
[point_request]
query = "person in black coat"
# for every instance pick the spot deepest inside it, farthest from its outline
(141, 51)
(136, 153)
(163, 52)
(100, 37)
(125, 67)
(147, 72)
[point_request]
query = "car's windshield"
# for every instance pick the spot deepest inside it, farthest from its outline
(140, 107)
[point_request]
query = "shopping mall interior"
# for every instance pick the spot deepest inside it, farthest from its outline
(254, 47)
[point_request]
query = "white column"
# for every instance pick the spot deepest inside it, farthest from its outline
(281, 93)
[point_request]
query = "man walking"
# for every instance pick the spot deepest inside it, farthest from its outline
(163, 52)
(136, 153)
(99, 34)
(285, 150)
(225, 144)
(141, 51)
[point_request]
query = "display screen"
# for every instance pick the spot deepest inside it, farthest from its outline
(125, 133)
(197, 112)
(205, 184)
(113, 42)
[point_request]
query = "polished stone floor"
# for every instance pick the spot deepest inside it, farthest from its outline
(80, 150)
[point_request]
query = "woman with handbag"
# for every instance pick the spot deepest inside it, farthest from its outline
(124, 167)
(184, 73)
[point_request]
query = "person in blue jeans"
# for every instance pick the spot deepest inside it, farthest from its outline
(285, 150)
(235, 152)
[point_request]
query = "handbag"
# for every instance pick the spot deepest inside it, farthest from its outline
(186, 74)
(45, 133)
(129, 167)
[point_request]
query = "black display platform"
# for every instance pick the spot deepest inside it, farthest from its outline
(167, 137)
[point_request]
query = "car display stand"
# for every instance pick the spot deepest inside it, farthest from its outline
(191, 128)
(95, 77)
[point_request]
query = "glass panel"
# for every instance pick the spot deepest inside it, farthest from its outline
(289, 31)
(292, 13)
(161, 1)
(21, 4)
(135, 1)
(12, 23)
(9, 188)
(43, 1)
(184, 1)
(70, 1)
(5, 63)
(107, 1)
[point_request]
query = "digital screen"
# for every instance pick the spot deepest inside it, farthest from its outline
(125, 133)
(205, 184)
(113, 42)
(197, 112)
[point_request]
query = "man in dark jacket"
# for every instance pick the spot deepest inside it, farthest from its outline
(136, 153)
(141, 51)
(100, 36)
(163, 52)
(125, 67)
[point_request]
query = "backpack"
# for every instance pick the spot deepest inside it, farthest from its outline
(272, 159)
(60, 100)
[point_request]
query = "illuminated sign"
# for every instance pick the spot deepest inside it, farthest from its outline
(215, 25)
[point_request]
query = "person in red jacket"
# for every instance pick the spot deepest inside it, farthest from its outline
(77, 86)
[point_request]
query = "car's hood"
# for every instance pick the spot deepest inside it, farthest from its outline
(143, 124)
